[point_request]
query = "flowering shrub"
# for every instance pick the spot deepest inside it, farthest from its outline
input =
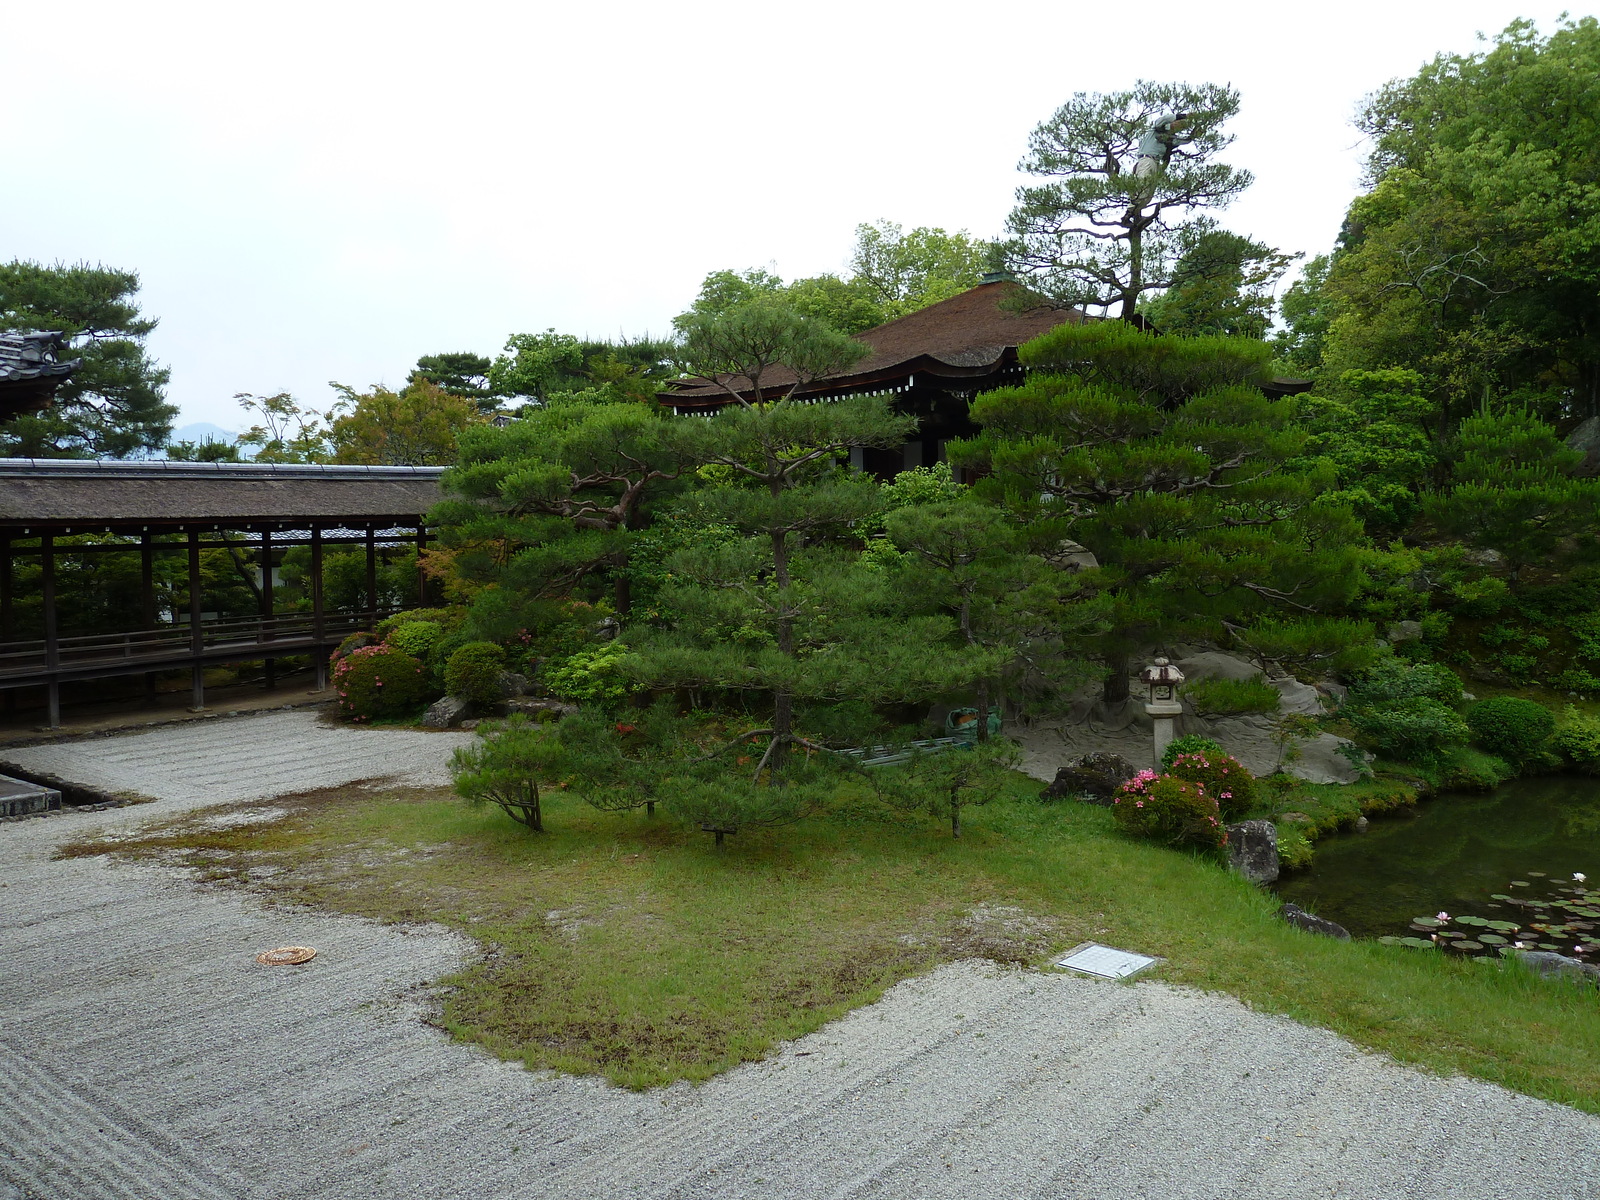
(1189, 743)
(1168, 809)
(1222, 778)
(473, 673)
(354, 642)
(378, 681)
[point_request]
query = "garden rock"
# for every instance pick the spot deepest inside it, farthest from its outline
(1094, 777)
(1404, 631)
(1301, 919)
(513, 685)
(1559, 966)
(1071, 557)
(1586, 437)
(446, 713)
(1253, 850)
(533, 708)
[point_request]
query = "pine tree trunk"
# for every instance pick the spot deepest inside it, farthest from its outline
(1115, 690)
(983, 710)
(955, 813)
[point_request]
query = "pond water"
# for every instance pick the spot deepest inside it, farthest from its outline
(1499, 856)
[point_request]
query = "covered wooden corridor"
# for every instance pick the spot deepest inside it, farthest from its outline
(162, 508)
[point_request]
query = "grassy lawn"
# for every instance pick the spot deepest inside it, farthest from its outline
(627, 946)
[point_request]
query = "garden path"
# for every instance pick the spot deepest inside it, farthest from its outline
(146, 1055)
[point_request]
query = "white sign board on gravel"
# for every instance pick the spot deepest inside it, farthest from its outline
(1104, 962)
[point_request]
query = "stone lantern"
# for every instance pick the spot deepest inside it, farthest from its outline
(1162, 679)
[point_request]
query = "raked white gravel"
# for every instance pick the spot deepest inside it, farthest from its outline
(144, 1054)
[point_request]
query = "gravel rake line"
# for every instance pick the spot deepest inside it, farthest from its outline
(83, 1145)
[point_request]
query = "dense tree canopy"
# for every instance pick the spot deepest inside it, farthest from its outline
(892, 273)
(1475, 257)
(1161, 457)
(114, 405)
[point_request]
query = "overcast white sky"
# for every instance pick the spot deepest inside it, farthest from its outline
(316, 191)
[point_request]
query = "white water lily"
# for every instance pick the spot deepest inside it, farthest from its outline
(1579, 876)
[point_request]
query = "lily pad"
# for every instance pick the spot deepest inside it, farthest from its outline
(1417, 943)
(1503, 926)
(1426, 923)
(1537, 874)
(1473, 921)
(1466, 944)
(1491, 939)
(1520, 883)
(1389, 941)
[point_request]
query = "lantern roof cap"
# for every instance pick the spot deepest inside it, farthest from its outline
(1161, 671)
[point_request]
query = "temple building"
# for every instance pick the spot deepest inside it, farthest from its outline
(932, 362)
(30, 370)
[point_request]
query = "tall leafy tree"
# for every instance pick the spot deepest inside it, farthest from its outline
(415, 427)
(114, 405)
(893, 272)
(550, 365)
(1223, 284)
(1475, 258)
(1105, 230)
(1159, 456)
(911, 270)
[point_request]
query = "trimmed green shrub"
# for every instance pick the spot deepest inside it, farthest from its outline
(1167, 809)
(378, 681)
(1390, 679)
(416, 638)
(438, 616)
(1514, 728)
(1417, 729)
(1577, 739)
(591, 676)
(1223, 778)
(1226, 697)
(473, 673)
(1189, 743)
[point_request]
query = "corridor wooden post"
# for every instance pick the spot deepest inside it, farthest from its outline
(319, 651)
(196, 636)
(147, 602)
(52, 642)
(268, 625)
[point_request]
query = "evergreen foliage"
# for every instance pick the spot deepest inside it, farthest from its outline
(507, 765)
(1158, 456)
(473, 673)
(1511, 727)
(1098, 234)
(114, 405)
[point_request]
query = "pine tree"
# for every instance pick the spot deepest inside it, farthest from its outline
(1159, 456)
